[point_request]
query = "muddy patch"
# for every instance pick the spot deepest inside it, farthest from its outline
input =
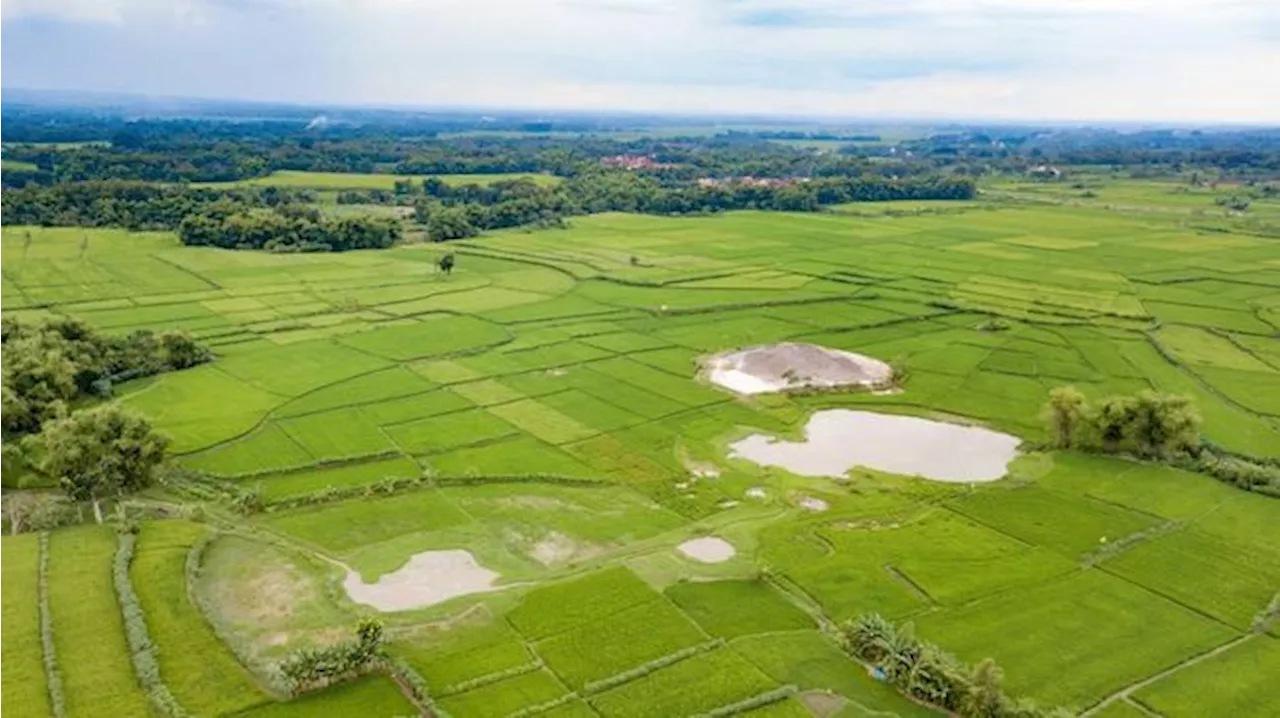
(708, 549)
(428, 578)
(789, 366)
(557, 549)
(808, 503)
(837, 440)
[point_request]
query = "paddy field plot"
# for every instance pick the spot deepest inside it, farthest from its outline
(88, 629)
(24, 682)
(541, 409)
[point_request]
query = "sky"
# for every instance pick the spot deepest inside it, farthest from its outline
(1192, 61)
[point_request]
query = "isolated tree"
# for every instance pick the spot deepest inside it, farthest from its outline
(446, 263)
(99, 453)
(1064, 413)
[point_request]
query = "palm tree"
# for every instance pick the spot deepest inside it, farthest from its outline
(986, 697)
(870, 637)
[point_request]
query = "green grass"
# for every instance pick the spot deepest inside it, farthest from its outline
(351, 524)
(18, 166)
(23, 679)
(1066, 523)
(197, 667)
(439, 335)
(618, 642)
(435, 434)
(283, 486)
(729, 609)
(88, 627)
(456, 656)
(1098, 627)
(689, 687)
(554, 353)
(338, 434)
(1240, 682)
(1224, 579)
(810, 661)
(560, 607)
(372, 696)
(505, 697)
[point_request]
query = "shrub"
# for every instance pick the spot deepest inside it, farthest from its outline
(314, 668)
(926, 673)
(53, 678)
(141, 649)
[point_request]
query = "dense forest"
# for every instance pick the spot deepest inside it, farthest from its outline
(86, 169)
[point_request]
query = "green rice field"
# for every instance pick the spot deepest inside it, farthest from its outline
(540, 409)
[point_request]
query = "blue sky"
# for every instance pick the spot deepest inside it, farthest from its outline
(1166, 60)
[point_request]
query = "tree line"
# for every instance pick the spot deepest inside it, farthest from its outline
(272, 218)
(1153, 426)
(452, 213)
(287, 228)
(132, 205)
(53, 368)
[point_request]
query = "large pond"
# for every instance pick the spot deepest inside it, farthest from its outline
(837, 440)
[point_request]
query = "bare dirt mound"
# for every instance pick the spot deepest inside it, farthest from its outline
(707, 549)
(789, 366)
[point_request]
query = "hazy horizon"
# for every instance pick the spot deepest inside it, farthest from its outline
(1062, 61)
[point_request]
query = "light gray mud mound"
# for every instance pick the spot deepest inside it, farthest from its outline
(789, 366)
(707, 549)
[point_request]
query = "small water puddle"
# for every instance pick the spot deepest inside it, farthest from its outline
(837, 440)
(428, 578)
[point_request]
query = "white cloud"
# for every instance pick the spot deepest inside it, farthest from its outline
(1195, 60)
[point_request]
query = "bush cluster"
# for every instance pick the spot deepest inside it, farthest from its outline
(314, 668)
(53, 678)
(926, 673)
(51, 364)
(287, 229)
(141, 649)
(1149, 424)
(1263, 478)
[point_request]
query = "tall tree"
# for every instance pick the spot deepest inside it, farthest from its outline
(99, 453)
(1064, 414)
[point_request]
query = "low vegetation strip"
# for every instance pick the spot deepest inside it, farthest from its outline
(23, 680)
(697, 685)
(97, 675)
(52, 675)
(201, 672)
(141, 649)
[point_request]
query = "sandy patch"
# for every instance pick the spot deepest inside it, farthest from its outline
(808, 503)
(556, 549)
(837, 440)
(702, 470)
(707, 549)
(787, 366)
(428, 578)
